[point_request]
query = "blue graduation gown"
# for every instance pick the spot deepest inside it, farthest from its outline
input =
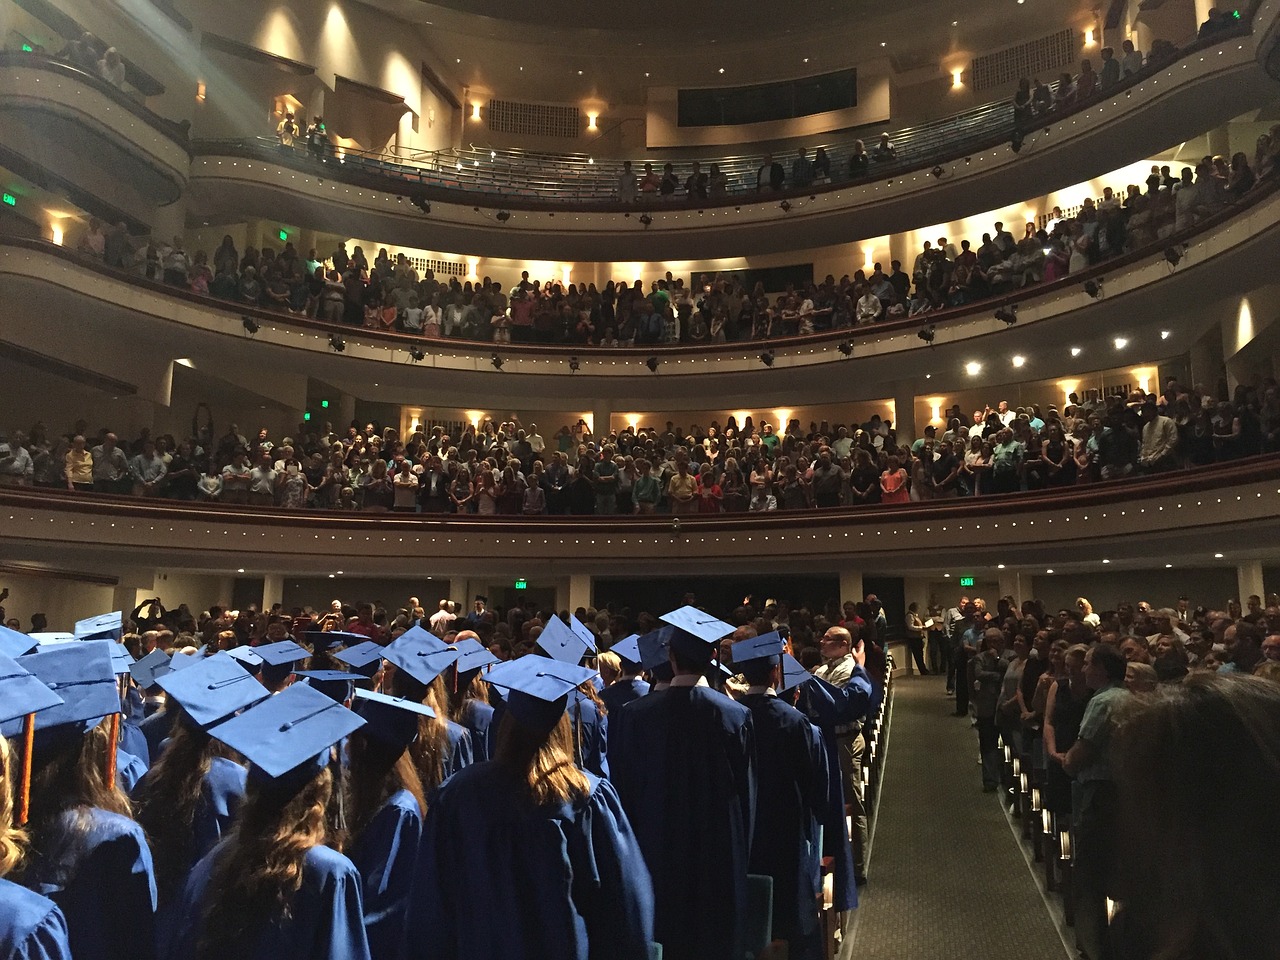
(590, 735)
(104, 882)
(499, 878)
(461, 753)
(386, 855)
(792, 775)
(477, 717)
(618, 695)
(31, 926)
(683, 761)
(156, 729)
(325, 922)
(129, 770)
(134, 741)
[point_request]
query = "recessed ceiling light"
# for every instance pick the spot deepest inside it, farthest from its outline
(1050, 570)
(1164, 334)
(1018, 360)
(955, 23)
(241, 570)
(806, 59)
(339, 573)
(1168, 566)
(722, 69)
(579, 73)
(331, 576)
(928, 376)
(973, 368)
(947, 575)
(1216, 556)
(1106, 561)
(458, 60)
(999, 566)
(1121, 343)
(646, 74)
(883, 44)
(1075, 351)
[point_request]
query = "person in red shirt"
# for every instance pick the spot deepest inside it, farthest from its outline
(363, 623)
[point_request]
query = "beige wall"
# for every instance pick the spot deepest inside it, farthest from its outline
(62, 601)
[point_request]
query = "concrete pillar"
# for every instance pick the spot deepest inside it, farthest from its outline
(1249, 580)
(341, 412)
(272, 590)
(851, 586)
(1014, 584)
(170, 221)
(1206, 356)
(904, 413)
(580, 594)
(601, 419)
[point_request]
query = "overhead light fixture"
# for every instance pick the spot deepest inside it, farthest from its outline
(1164, 334)
(1168, 566)
(722, 69)
(1008, 315)
(251, 326)
(1217, 556)
(927, 334)
(1015, 142)
(336, 343)
(652, 364)
(767, 358)
(417, 354)
(1106, 561)
(1018, 360)
(1121, 342)
(1093, 288)
(846, 347)
(573, 364)
(937, 172)
(503, 216)
(785, 206)
(999, 566)
(1075, 351)
(973, 368)
(1173, 255)
(496, 361)
(1050, 570)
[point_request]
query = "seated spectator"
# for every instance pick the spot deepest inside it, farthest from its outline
(1041, 97)
(695, 185)
(821, 167)
(1023, 107)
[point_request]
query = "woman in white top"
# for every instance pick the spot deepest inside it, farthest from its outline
(406, 489)
(1086, 608)
(486, 494)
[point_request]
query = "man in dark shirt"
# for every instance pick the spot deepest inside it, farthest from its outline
(770, 176)
(901, 282)
(828, 479)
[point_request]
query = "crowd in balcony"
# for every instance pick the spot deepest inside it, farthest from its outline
(510, 469)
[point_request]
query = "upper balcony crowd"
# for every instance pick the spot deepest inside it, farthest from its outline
(510, 469)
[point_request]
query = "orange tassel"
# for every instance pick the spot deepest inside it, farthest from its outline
(24, 778)
(112, 749)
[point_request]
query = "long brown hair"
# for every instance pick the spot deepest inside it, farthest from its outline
(375, 772)
(167, 804)
(431, 750)
(461, 694)
(542, 763)
(12, 839)
(259, 872)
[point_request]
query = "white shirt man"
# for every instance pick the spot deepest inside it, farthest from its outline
(1007, 416)
(979, 423)
(1159, 440)
(441, 619)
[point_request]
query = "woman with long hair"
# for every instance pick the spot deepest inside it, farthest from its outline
(272, 889)
(443, 747)
(469, 693)
(531, 831)
(86, 854)
(31, 926)
(384, 807)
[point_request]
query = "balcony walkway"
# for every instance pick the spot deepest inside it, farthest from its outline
(947, 878)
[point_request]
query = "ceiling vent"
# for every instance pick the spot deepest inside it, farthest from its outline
(535, 119)
(1035, 58)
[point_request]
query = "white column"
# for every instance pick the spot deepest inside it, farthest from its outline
(1249, 580)
(904, 413)
(579, 591)
(272, 590)
(851, 586)
(1013, 584)
(601, 418)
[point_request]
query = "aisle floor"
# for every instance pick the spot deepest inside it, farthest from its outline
(947, 877)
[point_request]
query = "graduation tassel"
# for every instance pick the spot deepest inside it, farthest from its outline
(113, 748)
(24, 776)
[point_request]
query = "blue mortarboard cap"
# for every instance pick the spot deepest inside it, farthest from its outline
(291, 731)
(364, 658)
(538, 689)
(79, 673)
(472, 655)
(213, 689)
(50, 637)
(583, 632)
(793, 673)
(15, 644)
(321, 640)
(698, 624)
(150, 668)
(392, 720)
(654, 646)
(562, 643)
(105, 626)
(121, 658)
(21, 692)
(628, 648)
(423, 656)
(247, 656)
(334, 684)
(281, 653)
(767, 645)
(180, 661)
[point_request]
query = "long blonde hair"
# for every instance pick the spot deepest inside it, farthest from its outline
(13, 839)
(431, 750)
(542, 763)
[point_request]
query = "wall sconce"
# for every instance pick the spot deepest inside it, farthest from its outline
(1017, 766)
(591, 120)
(475, 111)
(55, 232)
(1089, 37)
(201, 91)
(957, 78)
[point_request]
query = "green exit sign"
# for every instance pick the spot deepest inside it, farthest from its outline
(522, 584)
(307, 415)
(284, 234)
(10, 200)
(324, 404)
(966, 581)
(27, 48)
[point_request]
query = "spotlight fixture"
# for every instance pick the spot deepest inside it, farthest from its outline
(937, 172)
(927, 334)
(421, 202)
(496, 361)
(503, 216)
(1173, 254)
(336, 343)
(1008, 315)
(767, 358)
(573, 364)
(251, 325)
(785, 206)
(1015, 142)
(1093, 288)
(645, 220)
(652, 364)
(846, 347)
(417, 354)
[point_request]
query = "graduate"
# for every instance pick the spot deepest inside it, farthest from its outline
(86, 852)
(156, 724)
(443, 747)
(272, 889)
(793, 780)
(587, 713)
(384, 808)
(31, 926)
(469, 694)
(629, 686)
(188, 800)
(528, 857)
(683, 760)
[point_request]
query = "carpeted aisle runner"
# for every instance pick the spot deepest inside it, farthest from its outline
(947, 878)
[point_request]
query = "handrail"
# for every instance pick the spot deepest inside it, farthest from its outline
(527, 180)
(935, 318)
(1264, 467)
(178, 132)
